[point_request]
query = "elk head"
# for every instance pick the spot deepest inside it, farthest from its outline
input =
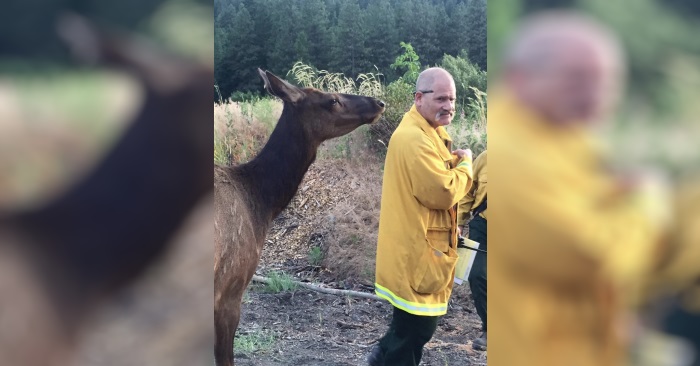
(324, 115)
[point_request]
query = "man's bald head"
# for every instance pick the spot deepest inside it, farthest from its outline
(427, 78)
(435, 96)
(539, 39)
(565, 65)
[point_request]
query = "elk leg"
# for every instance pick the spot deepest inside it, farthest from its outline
(227, 314)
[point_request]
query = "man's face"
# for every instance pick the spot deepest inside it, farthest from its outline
(580, 85)
(437, 105)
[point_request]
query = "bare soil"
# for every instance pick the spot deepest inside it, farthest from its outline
(304, 327)
(310, 328)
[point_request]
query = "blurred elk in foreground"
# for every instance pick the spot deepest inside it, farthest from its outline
(59, 260)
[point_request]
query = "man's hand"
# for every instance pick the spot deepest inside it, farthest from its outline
(460, 230)
(466, 153)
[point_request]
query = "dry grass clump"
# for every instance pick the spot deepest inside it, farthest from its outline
(367, 84)
(242, 128)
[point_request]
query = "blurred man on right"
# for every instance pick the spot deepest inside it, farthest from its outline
(677, 283)
(573, 240)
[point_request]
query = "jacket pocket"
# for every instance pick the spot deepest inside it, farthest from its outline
(439, 220)
(434, 270)
(439, 238)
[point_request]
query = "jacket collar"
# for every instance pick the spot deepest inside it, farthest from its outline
(438, 135)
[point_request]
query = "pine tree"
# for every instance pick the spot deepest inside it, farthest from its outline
(476, 20)
(317, 28)
(301, 47)
(237, 54)
(382, 36)
(457, 31)
(280, 47)
(350, 56)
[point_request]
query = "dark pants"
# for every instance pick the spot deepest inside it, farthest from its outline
(403, 343)
(682, 323)
(477, 277)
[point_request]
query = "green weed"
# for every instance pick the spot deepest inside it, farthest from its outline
(260, 341)
(280, 282)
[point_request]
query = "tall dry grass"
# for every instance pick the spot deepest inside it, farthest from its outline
(368, 84)
(241, 129)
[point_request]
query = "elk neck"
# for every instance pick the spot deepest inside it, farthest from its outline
(276, 173)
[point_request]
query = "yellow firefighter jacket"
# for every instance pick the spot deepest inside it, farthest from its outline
(477, 194)
(569, 249)
(416, 249)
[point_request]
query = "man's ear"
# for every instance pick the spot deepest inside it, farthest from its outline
(418, 99)
(280, 88)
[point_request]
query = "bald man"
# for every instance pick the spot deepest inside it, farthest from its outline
(573, 242)
(416, 250)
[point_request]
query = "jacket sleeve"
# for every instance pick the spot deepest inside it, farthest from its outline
(433, 184)
(465, 205)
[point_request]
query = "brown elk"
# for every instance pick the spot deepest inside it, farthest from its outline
(64, 257)
(249, 196)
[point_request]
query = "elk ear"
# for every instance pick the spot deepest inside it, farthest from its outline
(280, 88)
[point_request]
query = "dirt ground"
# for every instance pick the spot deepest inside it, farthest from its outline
(304, 327)
(310, 328)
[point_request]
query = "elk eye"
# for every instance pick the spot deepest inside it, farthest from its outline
(334, 101)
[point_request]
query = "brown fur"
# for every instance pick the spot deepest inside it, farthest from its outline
(69, 254)
(249, 196)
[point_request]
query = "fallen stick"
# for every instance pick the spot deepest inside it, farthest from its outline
(330, 291)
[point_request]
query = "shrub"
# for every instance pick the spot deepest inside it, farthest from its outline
(469, 79)
(399, 99)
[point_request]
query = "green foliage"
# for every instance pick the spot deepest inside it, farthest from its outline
(399, 99)
(315, 256)
(651, 51)
(348, 37)
(471, 84)
(259, 341)
(476, 45)
(660, 107)
(382, 34)
(457, 30)
(301, 46)
(502, 17)
(350, 54)
(408, 60)
(468, 79)
(285, 20)
(236, 51)
(280, 282)
(240, 96)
